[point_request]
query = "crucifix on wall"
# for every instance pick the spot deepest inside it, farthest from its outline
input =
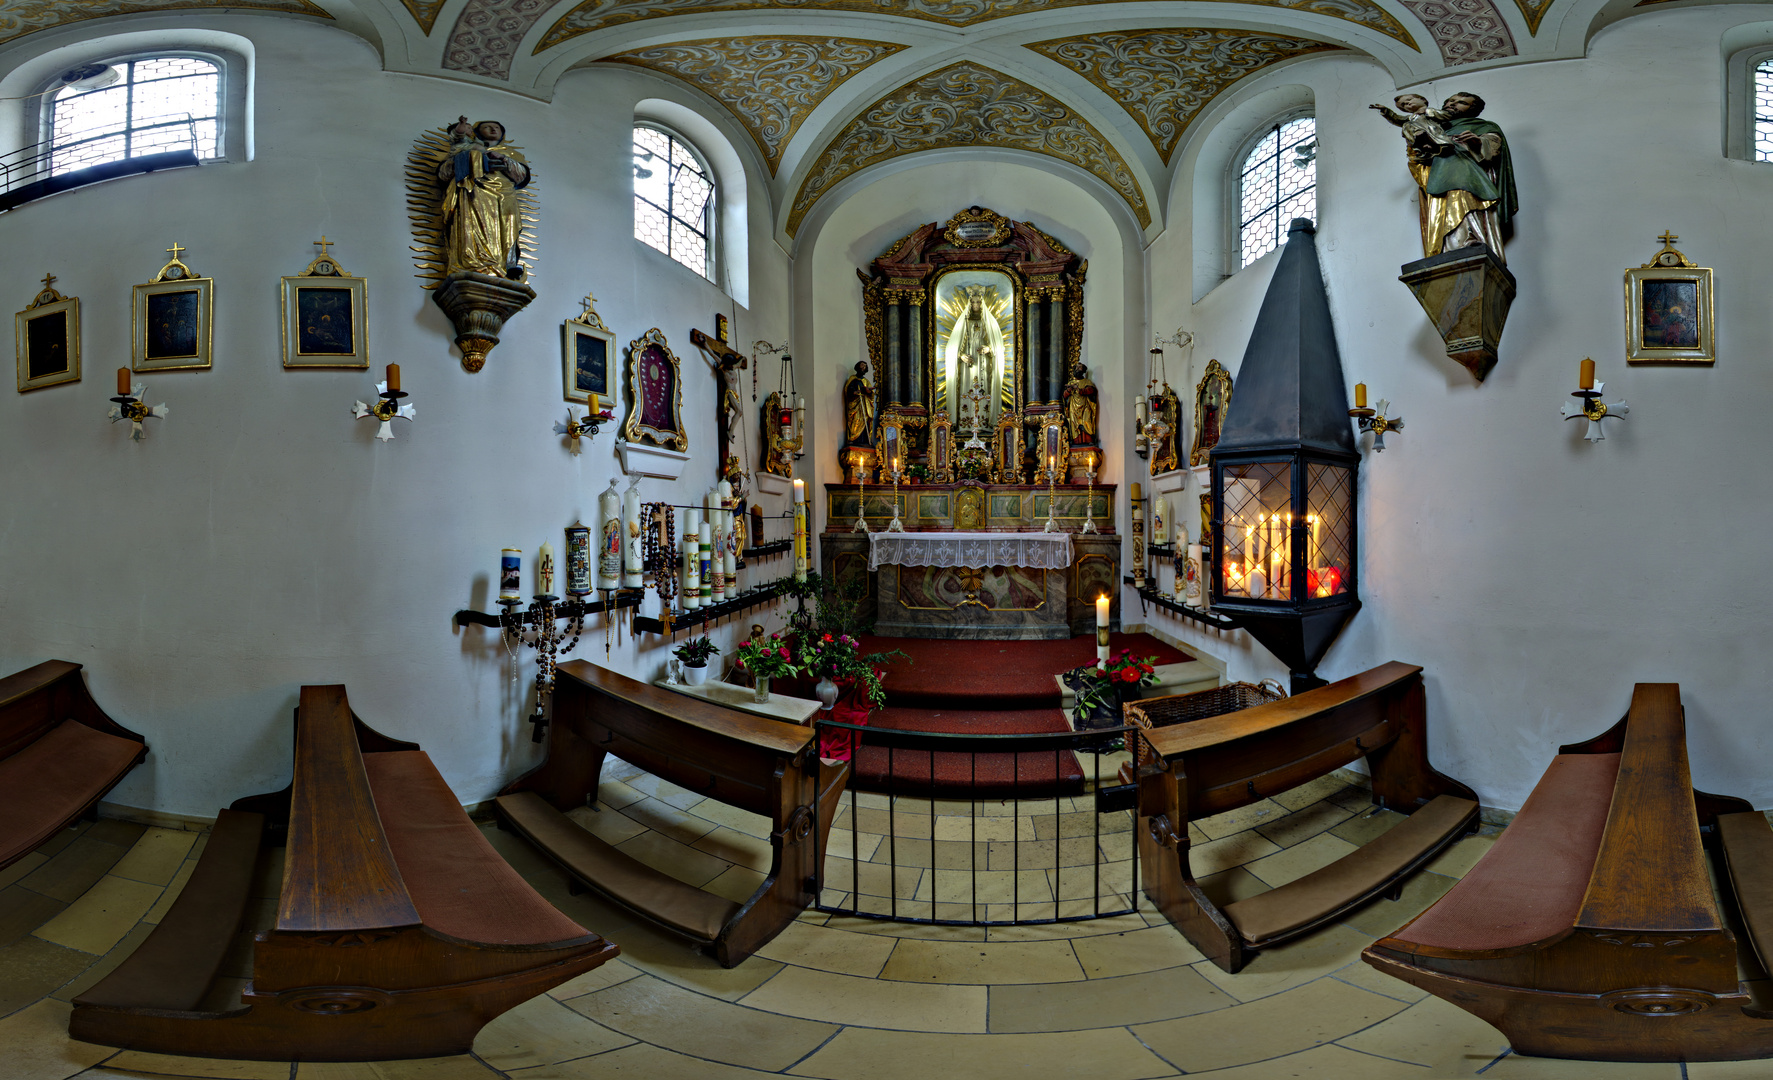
(726, 363)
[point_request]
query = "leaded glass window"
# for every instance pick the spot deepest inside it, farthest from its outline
(673, 198)
(1278, 183)
(1764, 111)
(158, 104)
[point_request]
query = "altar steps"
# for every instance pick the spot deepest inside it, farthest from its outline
(998, 675)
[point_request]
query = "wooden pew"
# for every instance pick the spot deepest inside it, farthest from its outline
(400, 931)
(59, 755)
(765, 766)
(1590, 930)
(1220, 763)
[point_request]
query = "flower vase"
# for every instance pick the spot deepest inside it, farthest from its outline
(695, 674)
(827, 692)
(761, 693)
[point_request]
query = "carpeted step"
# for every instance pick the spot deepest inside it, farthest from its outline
(952, 775)
(1015, 675)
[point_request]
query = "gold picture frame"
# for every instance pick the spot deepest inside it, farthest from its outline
(941, 449)
(1007, 450)
(1668, 310)
(172, 319)
(892, 447)
(655, 394)
(47, 338)
(325, 316)
(1212, 400)
(1052, 450)
(587, 346)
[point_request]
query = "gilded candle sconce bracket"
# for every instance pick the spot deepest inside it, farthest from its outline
(1589, 406)
(132, 408)
(1374, 420)
(386, 407)
(581, 427)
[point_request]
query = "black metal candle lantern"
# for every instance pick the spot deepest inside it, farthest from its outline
(1285, 476)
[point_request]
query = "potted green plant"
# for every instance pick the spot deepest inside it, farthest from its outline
(765, 659)
(695, 654)
(1101, 691)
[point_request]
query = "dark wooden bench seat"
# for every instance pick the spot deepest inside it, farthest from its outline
(1747, 843)
(400, 932)
(1208, 766)
(59, 755)
(1591, 929)
(758, 764)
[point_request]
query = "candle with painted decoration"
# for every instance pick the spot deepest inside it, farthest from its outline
(632, 574)
(800, 553)
(692, 564)
(711, 575)
(1102, 630)
(510, 574)
(545, 569)
(1191, 594)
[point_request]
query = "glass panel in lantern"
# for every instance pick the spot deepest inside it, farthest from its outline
(1258, 521)
(1329, 510)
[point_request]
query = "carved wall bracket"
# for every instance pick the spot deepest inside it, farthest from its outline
(477, 306)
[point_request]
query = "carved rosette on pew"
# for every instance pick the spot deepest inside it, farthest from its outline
(1467, 294)
(473, 214)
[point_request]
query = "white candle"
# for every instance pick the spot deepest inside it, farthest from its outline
(545, 569)
(632, 577)
(1258, 583)
(1102, 630)
(692, 593)
(705, 559)
(1192, 594)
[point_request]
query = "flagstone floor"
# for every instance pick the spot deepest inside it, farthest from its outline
(837, 996)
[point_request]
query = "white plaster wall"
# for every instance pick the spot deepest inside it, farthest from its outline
(839, 241)
(260, 538)
(1537, 577)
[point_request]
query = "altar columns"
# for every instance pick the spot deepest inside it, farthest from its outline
(895, 344)
(914, 351)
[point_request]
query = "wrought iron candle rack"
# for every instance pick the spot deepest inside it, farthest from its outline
(1149, 597)
(544, 611)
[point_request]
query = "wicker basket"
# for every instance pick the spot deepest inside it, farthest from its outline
(1181, 708)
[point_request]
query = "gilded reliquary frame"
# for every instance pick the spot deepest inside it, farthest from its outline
(910, 314)
(892, 446)
(1006, 467)
(173, 316)
(48, 339)
(1212, 398)
(655, 394)
(1668, 310)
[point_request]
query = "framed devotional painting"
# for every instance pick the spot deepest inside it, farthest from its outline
(1668, 310)
(173, 315)
(586, 346)
(655, 394)
(48, 339)
(325, 316)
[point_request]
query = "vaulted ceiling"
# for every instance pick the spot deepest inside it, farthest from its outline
(828, 89)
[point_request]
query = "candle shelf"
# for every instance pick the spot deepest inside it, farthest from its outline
(1149, 598)
(673, 621)
(774, 547)
(1161, 551)
(511, 618)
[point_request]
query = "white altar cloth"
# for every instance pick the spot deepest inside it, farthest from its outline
(1042, 550)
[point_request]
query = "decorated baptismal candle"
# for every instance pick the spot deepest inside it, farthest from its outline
(730, 535)
(705, 562)
(1138, 537)
(1160, 520)
(632, 577)
(692, 563)
(609, 538)
(545, 569)
(510, 574)
(800, 554)
(1102, 630)
(1191, 591)
(578, 560)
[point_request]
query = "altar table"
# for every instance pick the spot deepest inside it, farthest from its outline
(975, 550)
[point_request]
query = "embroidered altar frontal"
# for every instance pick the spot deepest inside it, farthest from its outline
(995, 576)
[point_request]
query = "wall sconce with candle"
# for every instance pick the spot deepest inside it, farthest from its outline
(387, 406)
(129, 405)
(1374, 420)
(1588, 392)
(575, 428)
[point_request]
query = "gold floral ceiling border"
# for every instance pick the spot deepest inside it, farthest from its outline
(966, 104)
(1164, 78)
(21, 17)
(591, 15)
(771, 84)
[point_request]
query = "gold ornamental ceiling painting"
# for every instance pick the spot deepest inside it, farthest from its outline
(771, 84)
(1164, 78)
(21, 17)
(966, 104)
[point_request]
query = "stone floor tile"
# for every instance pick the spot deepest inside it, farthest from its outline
(1724, 1070)
(27, 864)
(37, 1046)
(1286, 1023)
(736, 848)
(667, 856)
(843, 844)
(1461, 857)
(1367, 977)
(1367, 825)
(59, 842)
(983, 962)
(32, 968)
(870, 1002)
(897, 824)
(1312, 791)
(1069, 931)
(667, 1015)
(1102, 1003)
(461, 1067)
(74, 870)
(640, 1062)
(616, 794)
(1435, 1034)
(665, 791)
(1151, 949)
(736, 883)
(733, 818)
(135, 1061)
(607, 824)
(1354, 797)
(1520, 1067)
(1229, 886)
(1220, 826)
(604, 975)
(114, 831)
(872, 879)
(1237, 849)
(971, 829)
(668, 820)
(812, 946)
(93, 971)
(1291, 864)
(883, 928)
(1381, 917)
(173, 889)
(1327, 1062)
(542, 1031)
(1284, 967)
(22, 911)
(984, 887)
(1304, 824)
(871, 1054)
(99, 919)
(156, 857)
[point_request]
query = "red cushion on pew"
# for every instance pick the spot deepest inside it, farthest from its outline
(49, 782)
(1529, 886)
(458, 883)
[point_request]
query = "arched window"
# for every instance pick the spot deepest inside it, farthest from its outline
(673, 198)
(155, 104)
(1278, 182)
(1762, 147)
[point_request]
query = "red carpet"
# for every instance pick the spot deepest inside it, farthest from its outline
(996, 674)
(950, 775)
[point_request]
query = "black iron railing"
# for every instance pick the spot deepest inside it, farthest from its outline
(29, 173)
(936, 822)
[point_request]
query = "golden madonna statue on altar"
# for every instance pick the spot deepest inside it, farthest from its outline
(481, 210)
